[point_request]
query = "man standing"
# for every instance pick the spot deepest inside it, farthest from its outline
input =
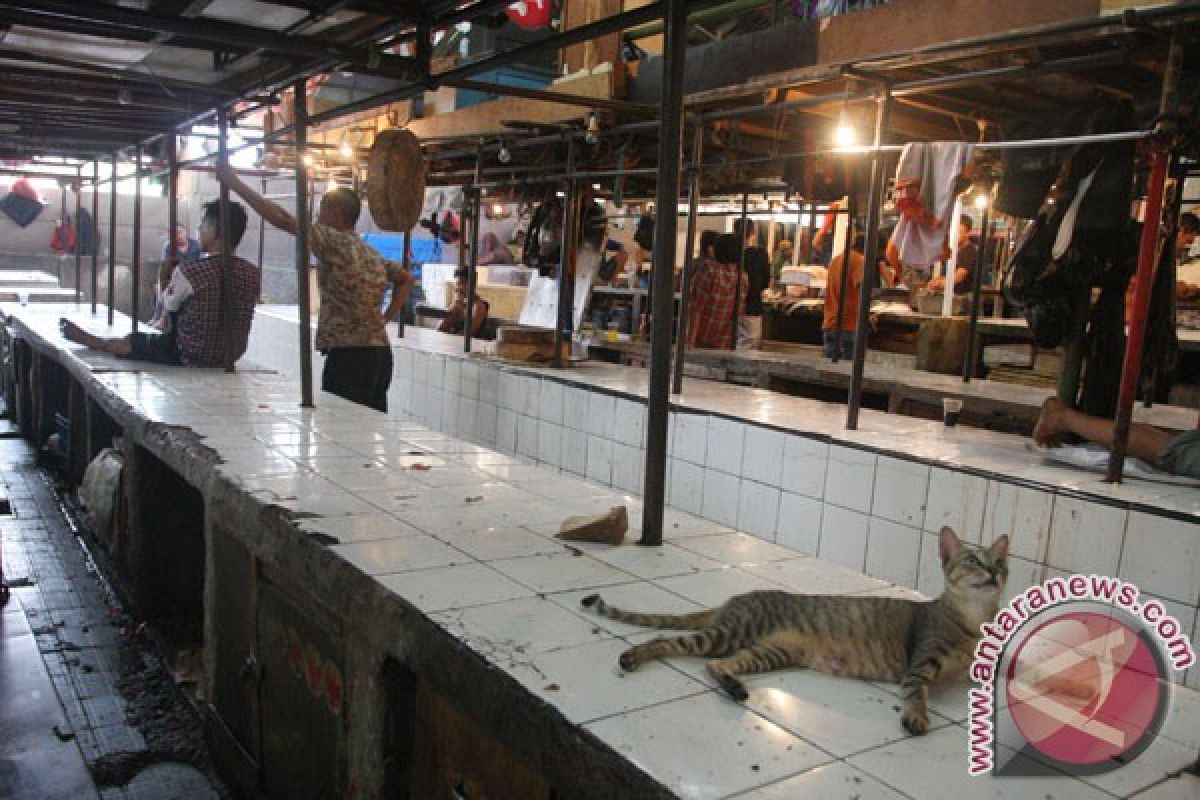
(968, 257)
(351, 278)
(194, 327)
(717, 286)
(758, 275)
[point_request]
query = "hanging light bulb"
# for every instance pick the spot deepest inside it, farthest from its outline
(503, 156)
(307, 159)
(329, 187)
(593, 129)
(844, 135)
(345, 149)
(981, 201)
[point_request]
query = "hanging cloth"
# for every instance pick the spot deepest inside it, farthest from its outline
(63, 240)
(928, 178)
(22, 204)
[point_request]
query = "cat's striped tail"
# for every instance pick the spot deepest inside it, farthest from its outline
(695, 621)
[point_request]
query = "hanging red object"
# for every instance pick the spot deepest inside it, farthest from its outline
(530, 13)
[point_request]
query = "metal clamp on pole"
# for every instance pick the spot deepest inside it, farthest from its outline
(670, 143)
(302, 257)
(870, 262)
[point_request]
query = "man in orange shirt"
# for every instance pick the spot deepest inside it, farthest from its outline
(838, 335)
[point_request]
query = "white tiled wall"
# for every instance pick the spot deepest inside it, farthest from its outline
(874, 513)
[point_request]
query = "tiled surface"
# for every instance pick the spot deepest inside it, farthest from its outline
(472, 547)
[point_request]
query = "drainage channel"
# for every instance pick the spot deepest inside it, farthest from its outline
(130, 702)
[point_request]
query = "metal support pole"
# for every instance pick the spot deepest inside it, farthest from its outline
(226, 256)
(670, 143)
(302, 257)
(137, 237)
(78, 235)
(688, 258)
(737, 310)
(566, 256)
(1144, 280)
(473, 197)
(172, 202)
(971, 358)
(95, 229)
(262, 230)
(406, 261)
(844, 281)
(870, 262)
(112, 241)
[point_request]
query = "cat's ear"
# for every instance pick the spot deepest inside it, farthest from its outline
(1000, 548)
(948, 544)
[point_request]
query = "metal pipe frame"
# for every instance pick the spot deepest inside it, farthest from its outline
(681, 330)
(95, 230)
(112, 242)
(737, 310)
(136, 260)
(474, 200)
(172, 199)
(226, 256)
(78, 236)
(670, 144)
(981, 266)
(566, 254)
(870, 261)
(302, 255)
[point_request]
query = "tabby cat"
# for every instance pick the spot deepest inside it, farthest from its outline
(872, 638)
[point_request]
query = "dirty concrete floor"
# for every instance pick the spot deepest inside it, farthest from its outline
(88, 707)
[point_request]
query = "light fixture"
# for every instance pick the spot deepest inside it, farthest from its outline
(981, 201)
(497, 210)
(333, 184)
(503, 156)
(560, 193)
(596, 187)
(307, 159)
(844, 135)
(345, 149)
(593, 129)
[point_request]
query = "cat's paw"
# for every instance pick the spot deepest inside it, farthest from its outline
(915, 722)
(590, 600)
(628, 661)
(734, 688)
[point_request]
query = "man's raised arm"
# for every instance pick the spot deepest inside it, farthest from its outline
(268, 210)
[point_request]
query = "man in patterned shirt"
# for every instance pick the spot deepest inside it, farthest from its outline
(717, 285)
(351, 278)
(194, 334)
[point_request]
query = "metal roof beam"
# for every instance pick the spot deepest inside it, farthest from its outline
(120, 22)
(95, 74)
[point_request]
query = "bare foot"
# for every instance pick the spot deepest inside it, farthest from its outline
(1051, 423)
(72, 332)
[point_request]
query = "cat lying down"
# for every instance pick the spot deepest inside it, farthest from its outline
(909, 642)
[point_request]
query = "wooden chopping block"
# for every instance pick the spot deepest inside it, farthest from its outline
(608, 528)
(396, 180)
(521, 343)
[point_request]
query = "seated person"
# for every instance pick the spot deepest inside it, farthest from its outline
(195, 331)
(968, 256)
(456, 315)
(1175, 453)
(718, 284)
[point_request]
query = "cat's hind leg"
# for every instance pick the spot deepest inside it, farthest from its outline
(713, 641)
(767, 656)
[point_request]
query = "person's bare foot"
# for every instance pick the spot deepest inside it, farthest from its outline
(1051, 422)
(72, 332)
